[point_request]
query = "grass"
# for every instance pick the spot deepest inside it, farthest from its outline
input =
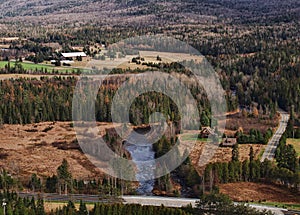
(261, 153)
(295, 143)
(280, 205)
(49, 206)
(33, 66)
(193, 137)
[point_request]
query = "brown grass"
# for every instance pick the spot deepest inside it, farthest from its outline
(236, 121)
(49, 206)
(28, 149)
(247, 191)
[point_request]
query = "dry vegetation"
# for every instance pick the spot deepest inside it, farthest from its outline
(237, 121)
(223, 154)
(247, 191)
(40, 148)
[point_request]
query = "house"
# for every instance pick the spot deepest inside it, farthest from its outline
(228, 142)
(206, 132)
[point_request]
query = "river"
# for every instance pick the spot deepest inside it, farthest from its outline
(141, 151)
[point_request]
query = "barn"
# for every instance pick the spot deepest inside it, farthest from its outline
(73, 55)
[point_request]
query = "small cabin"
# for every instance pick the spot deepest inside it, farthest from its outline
(206, 132)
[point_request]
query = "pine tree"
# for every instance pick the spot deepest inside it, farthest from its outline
(64, 175)
(235, 153)
(82, 209)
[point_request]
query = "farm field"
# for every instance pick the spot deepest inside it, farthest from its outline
(33, 66)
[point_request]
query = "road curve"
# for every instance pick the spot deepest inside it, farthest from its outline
(270, 150)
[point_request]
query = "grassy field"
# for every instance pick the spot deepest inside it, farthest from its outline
(192, 137)
(295, 143)
(280, 205)
(33, 66)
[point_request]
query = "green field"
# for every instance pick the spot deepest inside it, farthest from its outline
(295, 143)
(192, 137)
(280, 205)
(33, 66)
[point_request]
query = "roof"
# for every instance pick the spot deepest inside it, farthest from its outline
(229, 142)
(74, 54)
(207, 130)
(67, 61)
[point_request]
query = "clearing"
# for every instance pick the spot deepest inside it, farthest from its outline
(33, 66)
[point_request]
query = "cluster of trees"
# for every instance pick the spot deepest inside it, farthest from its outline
(63, 182)
(214, 203)
(25, 206)
(286, 155)
(219, 204)
(16, 205)
(254, 136)
(285, 172)
(7, 181)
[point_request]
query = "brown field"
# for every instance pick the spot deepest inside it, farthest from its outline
(236, 121)
(28, 149)
(52, 206)
(33, 148)
(246, 191)
(223, 154)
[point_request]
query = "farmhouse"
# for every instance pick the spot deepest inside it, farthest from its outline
(206, 132)
(73, 55)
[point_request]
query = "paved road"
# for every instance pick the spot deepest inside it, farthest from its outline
(179, 202)
(158, 201)
(274, 141)
(143, 200)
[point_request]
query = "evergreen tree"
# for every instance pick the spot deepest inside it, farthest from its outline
(235, 153)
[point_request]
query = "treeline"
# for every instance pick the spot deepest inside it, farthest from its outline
(219, 204)
(254, 136)
(215, 203)
(64, 183)
(285, 172)
(25, 101)
(15, 205)
(286, 155)
(185, 174)
(25, 206)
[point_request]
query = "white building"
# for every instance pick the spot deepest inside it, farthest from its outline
(73, 54)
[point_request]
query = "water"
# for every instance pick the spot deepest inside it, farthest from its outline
(142, 151)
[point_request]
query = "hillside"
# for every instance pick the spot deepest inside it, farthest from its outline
(154, 11)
